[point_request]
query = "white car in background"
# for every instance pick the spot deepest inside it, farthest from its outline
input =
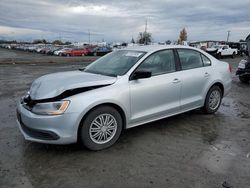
(61, 51)
(222, 50)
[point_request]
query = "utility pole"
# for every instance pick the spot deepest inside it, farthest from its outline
(145, 32)
(228, 35)
(89, 37)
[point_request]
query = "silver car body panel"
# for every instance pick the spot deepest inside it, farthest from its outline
(142, 101)
(51, 85)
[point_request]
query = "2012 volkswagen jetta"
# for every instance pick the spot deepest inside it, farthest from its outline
(123, 89)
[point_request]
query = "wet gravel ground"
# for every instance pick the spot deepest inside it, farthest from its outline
(188, 150)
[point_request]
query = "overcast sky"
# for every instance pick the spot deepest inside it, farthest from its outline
(114, 20)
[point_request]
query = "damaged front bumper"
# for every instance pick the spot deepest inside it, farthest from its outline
(51, 129)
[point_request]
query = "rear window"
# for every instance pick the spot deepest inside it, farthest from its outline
(189, 59)
(205, 60)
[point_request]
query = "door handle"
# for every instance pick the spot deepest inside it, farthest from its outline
(176, 80)
(206, 74)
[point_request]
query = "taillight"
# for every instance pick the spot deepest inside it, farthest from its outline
(230, 68)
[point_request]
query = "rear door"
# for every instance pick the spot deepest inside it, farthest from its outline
(159, 95)
(195, 76)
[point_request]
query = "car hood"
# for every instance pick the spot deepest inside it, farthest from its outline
(52, 85)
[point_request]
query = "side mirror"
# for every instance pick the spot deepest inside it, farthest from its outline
(140, 75)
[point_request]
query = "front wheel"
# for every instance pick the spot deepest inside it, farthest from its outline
(213, 100)
(101, 128)
(233, 55)
(219, 56)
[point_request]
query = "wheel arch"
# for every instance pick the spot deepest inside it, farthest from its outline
(115, 106)
(220, 85)
(216, 83)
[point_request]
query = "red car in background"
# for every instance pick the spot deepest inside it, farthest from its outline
(76, 52)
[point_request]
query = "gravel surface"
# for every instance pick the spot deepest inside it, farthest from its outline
(188, 150)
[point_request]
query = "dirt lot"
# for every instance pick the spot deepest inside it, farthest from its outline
(189, 150)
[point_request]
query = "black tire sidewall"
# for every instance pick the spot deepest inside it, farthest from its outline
(206, 107)
(219, 56)
(233, 55)
(84, 136)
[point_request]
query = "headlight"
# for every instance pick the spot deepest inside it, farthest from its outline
(51, 108)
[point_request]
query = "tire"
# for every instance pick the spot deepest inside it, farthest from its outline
(95, 139)
(243, 79)
(233, 55)
(83, 54)
(219, 56)
(211, 106)
(67, 55)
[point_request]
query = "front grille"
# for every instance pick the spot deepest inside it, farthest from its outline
(28, 102)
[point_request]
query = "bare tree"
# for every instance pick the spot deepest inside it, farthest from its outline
(144, 38)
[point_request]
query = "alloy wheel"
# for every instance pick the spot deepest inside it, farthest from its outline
(103, 128)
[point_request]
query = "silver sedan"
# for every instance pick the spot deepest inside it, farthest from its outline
(123, 89)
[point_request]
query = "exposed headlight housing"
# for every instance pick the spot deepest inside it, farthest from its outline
(51, 108)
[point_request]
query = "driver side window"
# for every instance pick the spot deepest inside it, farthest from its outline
(159, 63)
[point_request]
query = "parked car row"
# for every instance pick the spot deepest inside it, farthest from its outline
(60, 50)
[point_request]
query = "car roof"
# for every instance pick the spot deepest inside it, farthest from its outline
(153, 48)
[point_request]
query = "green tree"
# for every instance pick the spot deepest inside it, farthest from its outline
(67, 43)
(58, 42)
(182, 36)
(38, 41)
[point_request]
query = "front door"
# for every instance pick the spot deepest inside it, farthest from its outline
(157, 96)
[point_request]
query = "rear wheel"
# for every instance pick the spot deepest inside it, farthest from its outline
(101, 128)
(213, 100)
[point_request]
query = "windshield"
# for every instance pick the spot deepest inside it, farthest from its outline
(115, 63)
